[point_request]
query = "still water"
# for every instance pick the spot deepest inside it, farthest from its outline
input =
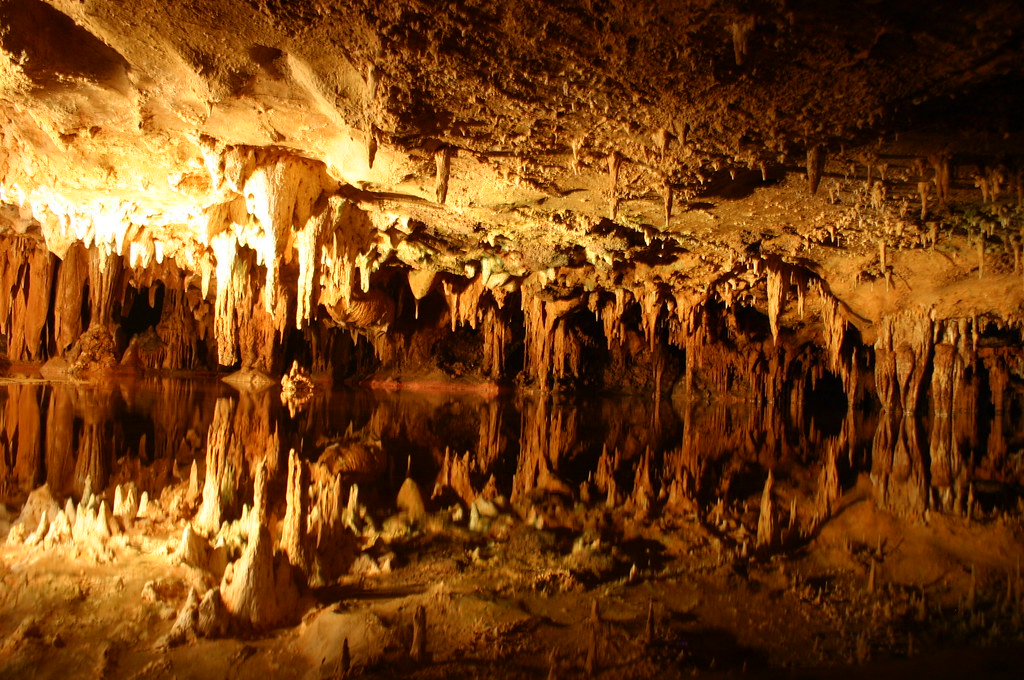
(677, 456)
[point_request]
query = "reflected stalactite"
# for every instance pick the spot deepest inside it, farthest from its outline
(948, 473)
(997, 448)
(22, 438)
(60, 452)
(548, 432)
(898, 472)
(217, 488)
(94, 457)
(456, 475)
(491, 443)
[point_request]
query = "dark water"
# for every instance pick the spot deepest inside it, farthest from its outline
(662, 456)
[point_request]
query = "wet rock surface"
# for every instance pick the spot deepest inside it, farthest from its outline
(707, 540)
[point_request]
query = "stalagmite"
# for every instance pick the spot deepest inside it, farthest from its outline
(192, 550)
(59, 532)
(410, 500)
(257, 589)
(213, 619)
(766, 519)
(193, 494)
(184, 627)
(259, 516)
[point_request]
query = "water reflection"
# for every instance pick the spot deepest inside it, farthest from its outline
(646, 456)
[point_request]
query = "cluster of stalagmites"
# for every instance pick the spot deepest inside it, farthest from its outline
(88, 526)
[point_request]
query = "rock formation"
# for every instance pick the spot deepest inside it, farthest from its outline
(313, 210)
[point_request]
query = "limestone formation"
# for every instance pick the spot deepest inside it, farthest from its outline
(212, 620)
(184, 628)
(258, 590)
(216, 483)
(791, 231)
(410, 500)
(418, 651)
(295, 539)
(766, 531)
(296, 389)
(192, 549)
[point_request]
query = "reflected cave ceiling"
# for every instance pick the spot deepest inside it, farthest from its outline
(564, 147)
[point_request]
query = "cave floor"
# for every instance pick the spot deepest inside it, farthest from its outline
(506, 601)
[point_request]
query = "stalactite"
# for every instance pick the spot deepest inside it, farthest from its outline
(815, 166)
(279, 194)
(68, 295)
(551, 352)
(941, 165)
(496, 339)
(740, 30)
(614, 163)
(442, 159)
(420, 283)
(26, 268)
(776, 298)
(828, 487)
(902, 357)
(835, 329)
(308, 244)
(232, 281)
(666, 190)
(464, 304)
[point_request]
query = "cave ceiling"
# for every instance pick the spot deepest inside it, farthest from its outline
(564, 146)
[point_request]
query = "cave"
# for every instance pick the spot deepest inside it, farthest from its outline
(576, 338)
